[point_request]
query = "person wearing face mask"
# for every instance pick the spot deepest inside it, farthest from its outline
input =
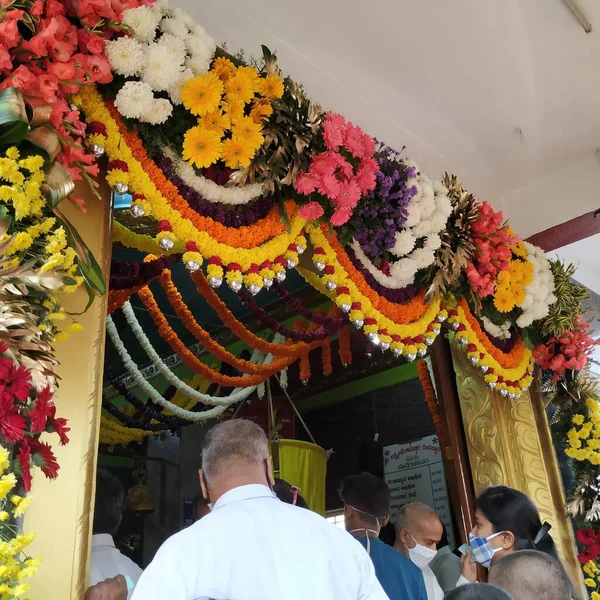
(366, 501)
(506, 520)
(419, 532)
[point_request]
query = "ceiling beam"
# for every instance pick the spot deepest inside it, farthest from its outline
(567, 233)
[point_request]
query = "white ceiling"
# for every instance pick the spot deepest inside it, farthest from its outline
(584, 255)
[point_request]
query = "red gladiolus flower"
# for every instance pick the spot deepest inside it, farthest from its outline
(44, 458)
(24, 457)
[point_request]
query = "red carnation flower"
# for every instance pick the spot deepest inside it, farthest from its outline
(24, 456)
(44, 458)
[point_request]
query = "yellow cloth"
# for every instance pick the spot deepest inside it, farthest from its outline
(305, 465)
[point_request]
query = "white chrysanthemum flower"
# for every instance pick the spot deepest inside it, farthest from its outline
(162, 70)
(175, 91)
(404, 271)
(405, 242)
(199, 63)
(160, 6)
(143, 21)
(134, 99)
(422, 229)
(438, 222)
(175, 45)
(200, 44)
(126, 56)
(433, 242)
(183, 16)
(174, 27)
(423, 257)
(160, 110)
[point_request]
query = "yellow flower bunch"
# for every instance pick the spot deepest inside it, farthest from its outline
(510, 285)
(15, 567)
(584, 437)
(592, 572)
(231, 104)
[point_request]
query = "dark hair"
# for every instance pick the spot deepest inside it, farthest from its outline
(510, 510)
(477, 591)
(108, 508)
(367, 493)
(444, 539)
(283, 490)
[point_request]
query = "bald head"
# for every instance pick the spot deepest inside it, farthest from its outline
(477, 591)
(417, 524)
(531, 574)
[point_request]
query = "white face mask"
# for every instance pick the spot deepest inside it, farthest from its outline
(375, 532)
(421, 555)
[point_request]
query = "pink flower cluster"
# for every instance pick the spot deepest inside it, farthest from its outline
(58, 57)
(570, 351)
(492, 242)
(340, 175)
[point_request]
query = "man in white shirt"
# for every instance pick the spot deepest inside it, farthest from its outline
(419, 532)
(252, 546)
(107, 561)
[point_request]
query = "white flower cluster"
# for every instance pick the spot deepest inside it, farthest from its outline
(428, 213)
(167, 49)
(501, 332)
(540, 292)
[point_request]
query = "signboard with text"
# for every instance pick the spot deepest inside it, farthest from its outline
(414, 472)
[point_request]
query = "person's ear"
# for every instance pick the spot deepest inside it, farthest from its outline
(404, 536)
(203, 484)
(385, 521)
(270, 475)
(508, 540)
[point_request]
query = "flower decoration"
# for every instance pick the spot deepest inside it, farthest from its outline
(341, 171)
(163, 51)
(584, 437)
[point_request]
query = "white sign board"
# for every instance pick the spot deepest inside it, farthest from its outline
(414, 472)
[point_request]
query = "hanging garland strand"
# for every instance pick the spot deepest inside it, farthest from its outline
(189, 359)
(238, 328)
(345, 351)
(212, 346)
(430, 398)
(125, 275)
(275, 325)
(299, 308)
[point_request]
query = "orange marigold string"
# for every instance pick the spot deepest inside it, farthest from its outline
(402, 314)
(430, 398)
(189, 359)
(187, 318)
(508, 360)
(291, 350)
(345, 350)
(243, 237)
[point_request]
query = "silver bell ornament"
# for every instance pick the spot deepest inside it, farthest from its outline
(137, 210)
(421, 352)
(441, 318)
(397, 352)
(473, 360)
(215, 281)
(121, 188)
(411, 357)
(235, 285)
(504, 393)
(374, 339)
(280, 276)
(345, 308)
(300, 249)
(330, 285)
(492, 385)
(97, 150)
(463, 341)
(455, 326)
(429, 341)
(358, 323)
(254, 289)
(319, 265)
(166, 244)
(385, 346)
(192, 266)
(290, 263)
(484, 368)
(267, 282)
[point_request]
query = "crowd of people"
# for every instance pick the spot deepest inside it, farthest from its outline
(256, 539)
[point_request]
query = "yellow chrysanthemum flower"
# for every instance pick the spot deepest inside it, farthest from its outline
(7, 483)
(4, 459)
(240, 85)
(12, 153)
(250, 132)
(223, 68)
(202, 147)
(578, 420)
(22, 506)
(237, 152)
(4, 515)
(503, 300)
(590, 583)
(215, 120)
(32, 163)
(271, 87)
(57, 241)
(261, 110)
(75, 327)
(22, 241)
(595, 596)
(61, 336)
(202, 94)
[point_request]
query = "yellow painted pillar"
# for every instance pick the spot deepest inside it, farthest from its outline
(61, 512)
(509, 443)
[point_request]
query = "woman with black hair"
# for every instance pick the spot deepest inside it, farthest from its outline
(506, 520)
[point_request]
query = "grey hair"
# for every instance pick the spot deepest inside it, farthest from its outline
(234, 441)
(529, 574)
(477, 591)
(408, 513)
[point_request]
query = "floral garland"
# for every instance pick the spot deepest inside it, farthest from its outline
(584, 438)
(220, 403)
(345, 350)
(267, 240)
(431, 399)
(510, 373)
(125, 275)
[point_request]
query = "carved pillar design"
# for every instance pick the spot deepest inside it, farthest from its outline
(61, 512)
(509, 444)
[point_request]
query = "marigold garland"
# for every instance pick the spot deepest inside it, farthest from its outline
(508, 373)
(326, 357)
(345, 350)
(431, 399)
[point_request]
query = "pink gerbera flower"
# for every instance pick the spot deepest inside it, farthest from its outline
(348, 197)
(323, 164)
(311, 211)
(329, 186)
(358, 142)
(340, 216)
(332, 133)
(305, 183)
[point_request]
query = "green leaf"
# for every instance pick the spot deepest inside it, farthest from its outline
(14, 124)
